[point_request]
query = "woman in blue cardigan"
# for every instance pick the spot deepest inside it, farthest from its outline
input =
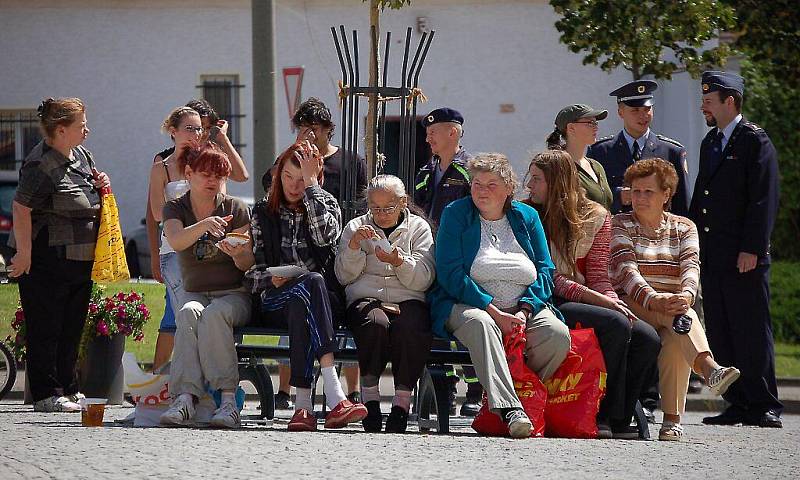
(494, 272)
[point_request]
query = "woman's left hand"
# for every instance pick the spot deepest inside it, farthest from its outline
(392, 258)
(234, 251)
(100, 180)
(676, 304)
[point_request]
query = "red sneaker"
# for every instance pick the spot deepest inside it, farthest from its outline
(345, 412)
(303, 421)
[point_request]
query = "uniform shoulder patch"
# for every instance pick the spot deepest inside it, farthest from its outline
(752, 126)
(669, 140)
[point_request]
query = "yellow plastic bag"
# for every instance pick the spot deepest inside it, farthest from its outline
(110, 264)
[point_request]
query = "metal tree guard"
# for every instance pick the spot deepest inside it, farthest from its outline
(351, 89)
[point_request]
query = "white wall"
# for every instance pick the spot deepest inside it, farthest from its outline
(132, 61)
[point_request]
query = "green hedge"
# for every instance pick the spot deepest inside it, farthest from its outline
(785, 303)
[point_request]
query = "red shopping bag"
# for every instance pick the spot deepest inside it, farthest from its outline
(530, 390)
(576, 389)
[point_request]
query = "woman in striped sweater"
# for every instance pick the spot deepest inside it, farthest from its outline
(578, 231)
(655, 266)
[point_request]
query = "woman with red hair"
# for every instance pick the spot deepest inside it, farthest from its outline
(299, 224)
(196, 225)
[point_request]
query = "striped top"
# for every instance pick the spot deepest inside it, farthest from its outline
(645, 262)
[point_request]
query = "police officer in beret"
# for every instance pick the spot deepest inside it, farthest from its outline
(734, 205)
(442, 180)
(635, 142)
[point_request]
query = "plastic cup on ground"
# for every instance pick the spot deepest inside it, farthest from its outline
(92, 411)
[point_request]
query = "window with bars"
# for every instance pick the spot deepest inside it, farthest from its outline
(19, 133)
(222, 92)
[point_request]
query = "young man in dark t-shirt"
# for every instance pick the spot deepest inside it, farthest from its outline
(314, 123)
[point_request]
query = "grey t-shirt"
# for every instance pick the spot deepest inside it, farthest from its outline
(204, 267)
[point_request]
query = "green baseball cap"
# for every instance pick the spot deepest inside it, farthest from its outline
(575, 112)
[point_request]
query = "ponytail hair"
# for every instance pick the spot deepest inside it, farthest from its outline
(556, 140)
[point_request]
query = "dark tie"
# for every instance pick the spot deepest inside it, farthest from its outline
(637, 155)
(715, 156)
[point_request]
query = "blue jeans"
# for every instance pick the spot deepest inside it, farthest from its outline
(173, 281)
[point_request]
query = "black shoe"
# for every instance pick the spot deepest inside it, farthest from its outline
(769, 419)
(355, 397)
(470, 407)
(624, 431)
(397, 421)
(731, 416)
(649, 415)
(695, 385)
(373, 422)
(282, 401)
(603, 430)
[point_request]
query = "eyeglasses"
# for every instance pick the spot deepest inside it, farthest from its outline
(193, 129)
(592, 123)
(383, 210)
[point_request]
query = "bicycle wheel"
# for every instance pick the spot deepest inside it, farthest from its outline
(8, 370)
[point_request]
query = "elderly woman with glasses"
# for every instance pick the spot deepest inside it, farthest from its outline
(385, 261)
(575, 129)
(494, 273)
(196, 225)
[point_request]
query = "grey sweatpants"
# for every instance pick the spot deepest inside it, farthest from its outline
(547, 346)
(204, 347)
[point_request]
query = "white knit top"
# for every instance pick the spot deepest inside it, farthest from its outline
(502, 267)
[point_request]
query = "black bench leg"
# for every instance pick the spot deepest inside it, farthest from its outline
(441, 389)
(258, 375)
(424, 401)
(641, 422)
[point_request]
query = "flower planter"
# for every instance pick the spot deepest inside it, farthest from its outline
(100, 373)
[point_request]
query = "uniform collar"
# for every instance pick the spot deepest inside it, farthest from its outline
(727, 131)
(642, 141)
(460, 157)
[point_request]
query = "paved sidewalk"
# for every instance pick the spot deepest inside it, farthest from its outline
(41, 445)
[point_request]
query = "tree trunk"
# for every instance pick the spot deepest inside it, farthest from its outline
(374, 73)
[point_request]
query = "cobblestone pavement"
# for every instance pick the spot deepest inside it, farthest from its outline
(42, 445)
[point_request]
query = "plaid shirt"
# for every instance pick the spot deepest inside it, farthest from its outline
(62, 198)
(322, 218)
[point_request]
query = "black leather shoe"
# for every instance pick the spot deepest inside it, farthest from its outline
(770, 419)
(649, 415)
(397, 421)
(695, 384)
(282, 401)
(355, 397)
(470, 407)
(373, 422)
(731, 416)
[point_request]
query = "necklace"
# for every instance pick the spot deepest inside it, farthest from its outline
(492, 236)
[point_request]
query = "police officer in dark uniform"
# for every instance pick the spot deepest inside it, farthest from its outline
(734, 205)
(444, 178)
(635, 142)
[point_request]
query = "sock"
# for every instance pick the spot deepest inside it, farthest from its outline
(379, 317)
(228, 397)
(369, 394)
(303, 399)
(332, 387)
(402, 399)
(187, 397)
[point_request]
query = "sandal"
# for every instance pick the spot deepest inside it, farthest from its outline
(670, 432)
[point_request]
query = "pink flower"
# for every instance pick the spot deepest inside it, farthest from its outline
(134, 297)
(19, 315)
(139, 337)
(93, 308)
(120, 296)
(102, 328)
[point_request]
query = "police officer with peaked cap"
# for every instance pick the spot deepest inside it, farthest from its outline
(734, 206)
(636, 142)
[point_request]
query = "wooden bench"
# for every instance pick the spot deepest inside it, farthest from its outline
(432, 394)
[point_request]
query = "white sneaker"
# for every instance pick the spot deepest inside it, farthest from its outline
(181, 412)
(519, 425)
(56, 404)
(226, 416)
(722, 378)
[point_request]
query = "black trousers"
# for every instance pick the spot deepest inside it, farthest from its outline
(55, 297)
(302, 306)
(406, 343)
(630, 351)
(739, 331)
